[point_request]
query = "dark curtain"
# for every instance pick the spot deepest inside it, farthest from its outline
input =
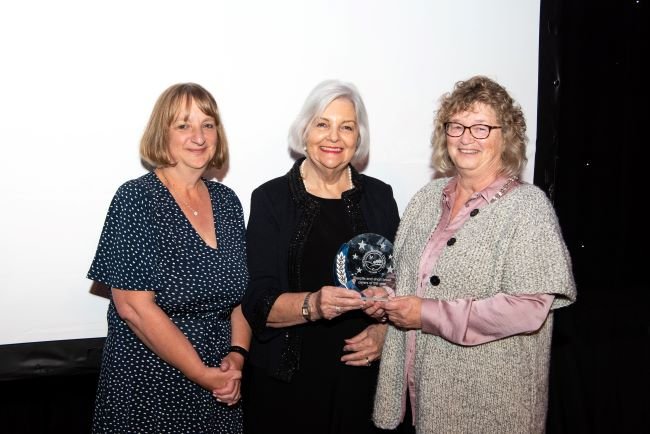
(592, 157)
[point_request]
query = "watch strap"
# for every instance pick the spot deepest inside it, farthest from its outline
(306, 311)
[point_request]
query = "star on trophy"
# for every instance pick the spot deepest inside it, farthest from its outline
(366, 260)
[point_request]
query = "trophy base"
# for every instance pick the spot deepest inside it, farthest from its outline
(364, 298)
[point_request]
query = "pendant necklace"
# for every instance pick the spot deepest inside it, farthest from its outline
(171, 186)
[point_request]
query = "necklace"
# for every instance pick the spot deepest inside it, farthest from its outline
(503, 189)
(302, 175)
(171, 186)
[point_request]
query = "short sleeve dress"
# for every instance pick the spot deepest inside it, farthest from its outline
(148, 244)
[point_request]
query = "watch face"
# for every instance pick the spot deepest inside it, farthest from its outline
(305, 308)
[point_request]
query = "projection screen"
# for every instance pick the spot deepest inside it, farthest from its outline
(79, 80)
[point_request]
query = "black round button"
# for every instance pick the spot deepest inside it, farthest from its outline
(434, 280)
(473, 212)
(451, 241)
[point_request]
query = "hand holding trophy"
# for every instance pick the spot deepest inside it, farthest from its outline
(365, 261)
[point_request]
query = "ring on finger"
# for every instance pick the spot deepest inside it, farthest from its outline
(367, 361)
(337, 309)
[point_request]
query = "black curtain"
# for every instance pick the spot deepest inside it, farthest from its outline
(592, 158)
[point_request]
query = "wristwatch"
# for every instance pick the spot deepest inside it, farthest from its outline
(306, 311)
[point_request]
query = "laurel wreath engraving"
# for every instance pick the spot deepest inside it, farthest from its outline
(340, 269)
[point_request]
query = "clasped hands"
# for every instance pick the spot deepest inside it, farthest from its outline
(224, 381)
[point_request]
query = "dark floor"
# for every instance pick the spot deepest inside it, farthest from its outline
(56, 404)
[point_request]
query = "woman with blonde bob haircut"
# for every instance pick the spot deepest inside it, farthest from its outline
(154, 143)
(173, 252)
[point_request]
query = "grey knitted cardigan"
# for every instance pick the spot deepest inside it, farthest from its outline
(512, 246)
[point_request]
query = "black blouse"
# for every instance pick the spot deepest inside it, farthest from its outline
(281, 217)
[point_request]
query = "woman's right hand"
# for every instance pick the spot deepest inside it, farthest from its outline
(405, 311)
(333, 301)
(212, 378)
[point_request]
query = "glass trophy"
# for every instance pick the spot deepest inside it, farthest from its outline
(366, 260)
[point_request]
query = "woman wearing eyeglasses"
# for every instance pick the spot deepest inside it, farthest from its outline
(481, 264)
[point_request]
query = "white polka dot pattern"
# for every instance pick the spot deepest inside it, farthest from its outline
(148, 244)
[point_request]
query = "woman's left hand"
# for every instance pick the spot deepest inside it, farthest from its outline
(230, 393)
(365, 347)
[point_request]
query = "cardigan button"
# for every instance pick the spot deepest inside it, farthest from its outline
(451, 241)
(473, 212)
(434, 280)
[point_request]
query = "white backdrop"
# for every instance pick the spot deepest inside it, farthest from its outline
(79, 79)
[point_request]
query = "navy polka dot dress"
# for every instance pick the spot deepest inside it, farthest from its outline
(148, 244)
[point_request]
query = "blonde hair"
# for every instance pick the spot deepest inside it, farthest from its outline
(466, 94)
(154, 145)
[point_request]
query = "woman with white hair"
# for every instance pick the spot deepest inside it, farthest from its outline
(314, 350)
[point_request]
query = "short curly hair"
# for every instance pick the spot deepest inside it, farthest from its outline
(465, 95)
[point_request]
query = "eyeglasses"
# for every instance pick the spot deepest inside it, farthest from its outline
(478, 131)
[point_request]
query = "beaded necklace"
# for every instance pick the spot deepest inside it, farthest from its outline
(302, 175)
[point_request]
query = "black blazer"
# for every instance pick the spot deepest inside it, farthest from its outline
(280, 218)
